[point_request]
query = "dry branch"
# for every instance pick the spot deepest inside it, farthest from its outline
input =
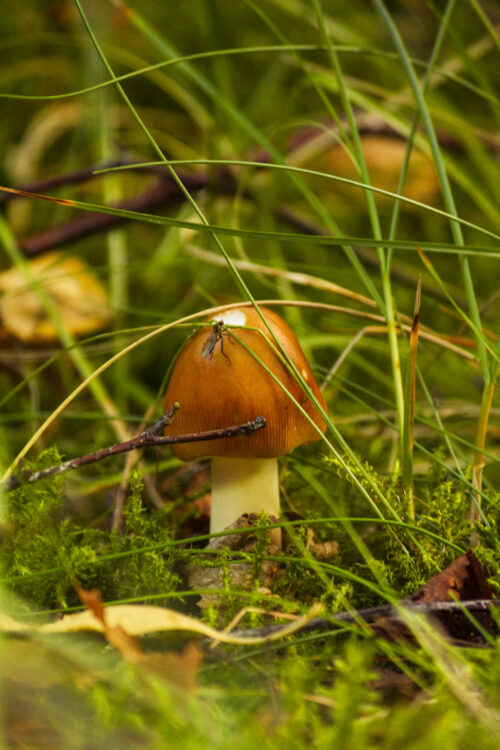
(150, 436)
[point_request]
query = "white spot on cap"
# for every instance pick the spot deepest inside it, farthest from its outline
(233, 318)
(304, 374)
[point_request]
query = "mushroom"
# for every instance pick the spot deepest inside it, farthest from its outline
(219, 383)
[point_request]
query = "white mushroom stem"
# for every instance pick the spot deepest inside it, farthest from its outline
(244, 485)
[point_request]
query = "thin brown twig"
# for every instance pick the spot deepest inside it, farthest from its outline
(150, 436)
(60, 180)
(165, 191)
(162, 193)
(371, 614)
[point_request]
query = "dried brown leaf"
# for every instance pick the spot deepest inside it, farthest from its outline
(464, 579)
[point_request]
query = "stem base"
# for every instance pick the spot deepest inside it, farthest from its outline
(244, 485)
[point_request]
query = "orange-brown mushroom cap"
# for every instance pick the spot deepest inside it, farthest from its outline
(218, 383)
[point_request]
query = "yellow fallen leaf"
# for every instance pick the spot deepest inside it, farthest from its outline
(140, 620)
(180, 670)
(78, 296)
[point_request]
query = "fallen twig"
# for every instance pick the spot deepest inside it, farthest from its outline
(60, 180)
(371, 614)
(77, 229)
(150, 436)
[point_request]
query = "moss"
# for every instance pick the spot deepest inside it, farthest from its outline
(45, 550)
(404, 554)
(488, 551)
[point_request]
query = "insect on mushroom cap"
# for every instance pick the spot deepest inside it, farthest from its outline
(218, 383)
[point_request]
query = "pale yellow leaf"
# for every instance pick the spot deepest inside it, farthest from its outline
(79, 299)
(140, 620)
